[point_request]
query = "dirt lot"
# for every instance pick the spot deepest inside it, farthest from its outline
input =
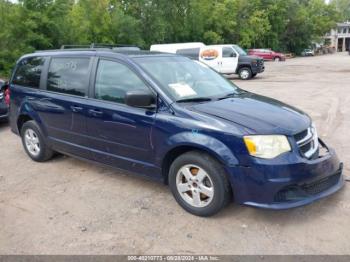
(66, 206)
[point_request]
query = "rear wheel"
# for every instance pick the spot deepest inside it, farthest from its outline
(199, 184)
(277, 59)
(34, 143)
(245, 73)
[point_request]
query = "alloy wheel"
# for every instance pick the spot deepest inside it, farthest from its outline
(244, 74)
(194, 186)
(32, 142)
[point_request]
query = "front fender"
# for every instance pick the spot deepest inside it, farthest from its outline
(203, 142)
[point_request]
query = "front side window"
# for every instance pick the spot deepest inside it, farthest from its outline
(228, 52)
(28, 72)
(114, 80)
(69, 76)
(239, 50)
(182, 78)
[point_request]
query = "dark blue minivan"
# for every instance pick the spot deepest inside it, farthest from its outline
(171, 119)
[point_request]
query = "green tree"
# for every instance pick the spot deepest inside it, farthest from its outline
(343, 7)
(285, 25)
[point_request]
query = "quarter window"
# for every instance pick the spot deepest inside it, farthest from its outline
(28, 72)
(114, 80)
(69, 76)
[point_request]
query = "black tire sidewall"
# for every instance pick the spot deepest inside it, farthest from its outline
(212, 167)
(44, 150)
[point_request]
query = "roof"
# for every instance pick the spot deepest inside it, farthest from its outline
(344, 24)
(88, 51)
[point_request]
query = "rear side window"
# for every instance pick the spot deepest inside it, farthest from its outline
(69, 76)
(114, 80)
(28, 72)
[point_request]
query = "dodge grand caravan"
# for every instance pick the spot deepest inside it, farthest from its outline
(171, 119)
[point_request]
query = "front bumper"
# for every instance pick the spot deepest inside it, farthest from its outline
(259, 68)
(283, 186)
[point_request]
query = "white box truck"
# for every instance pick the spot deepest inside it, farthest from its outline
(225, 59)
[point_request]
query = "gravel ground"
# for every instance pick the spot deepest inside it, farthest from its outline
(66, 206)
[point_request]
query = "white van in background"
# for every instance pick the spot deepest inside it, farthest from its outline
(225, 59)
(172, 48)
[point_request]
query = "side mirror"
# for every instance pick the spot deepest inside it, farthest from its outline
(233, 54)
(141, 99)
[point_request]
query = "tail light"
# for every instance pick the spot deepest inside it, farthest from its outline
(7, 96)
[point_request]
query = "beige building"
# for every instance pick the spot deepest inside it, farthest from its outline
(339, 38)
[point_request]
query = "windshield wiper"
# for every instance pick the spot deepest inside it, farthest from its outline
(228, 96)
(234, 94)
(194, 99)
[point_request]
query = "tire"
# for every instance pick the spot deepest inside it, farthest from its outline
(209, 183)
(245, 73)
(277, 59)
(34, 143)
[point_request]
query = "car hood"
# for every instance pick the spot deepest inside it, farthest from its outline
(248, 58)
(261, 115)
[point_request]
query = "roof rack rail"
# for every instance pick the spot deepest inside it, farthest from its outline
(98, 45)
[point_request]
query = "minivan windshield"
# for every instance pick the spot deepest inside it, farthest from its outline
(185, 80)
(239, 50)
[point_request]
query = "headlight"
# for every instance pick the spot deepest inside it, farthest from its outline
(267, 146)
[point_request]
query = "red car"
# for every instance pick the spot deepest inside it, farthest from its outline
(4, 100)
(267, 54)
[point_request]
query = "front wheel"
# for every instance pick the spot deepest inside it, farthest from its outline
(277, 59)
(245, 73)
(199, 184)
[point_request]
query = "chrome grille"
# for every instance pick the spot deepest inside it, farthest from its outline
(307, 142)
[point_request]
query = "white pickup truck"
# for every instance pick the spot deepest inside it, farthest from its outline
(225, 59)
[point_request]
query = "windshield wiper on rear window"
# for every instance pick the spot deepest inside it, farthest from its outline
(194, 99)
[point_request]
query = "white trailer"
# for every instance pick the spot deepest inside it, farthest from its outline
(172, 48)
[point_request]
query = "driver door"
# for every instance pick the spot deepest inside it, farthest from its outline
(119, 134)
(229, 60)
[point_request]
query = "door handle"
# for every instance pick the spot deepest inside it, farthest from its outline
(95, 112)
(76, 109)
